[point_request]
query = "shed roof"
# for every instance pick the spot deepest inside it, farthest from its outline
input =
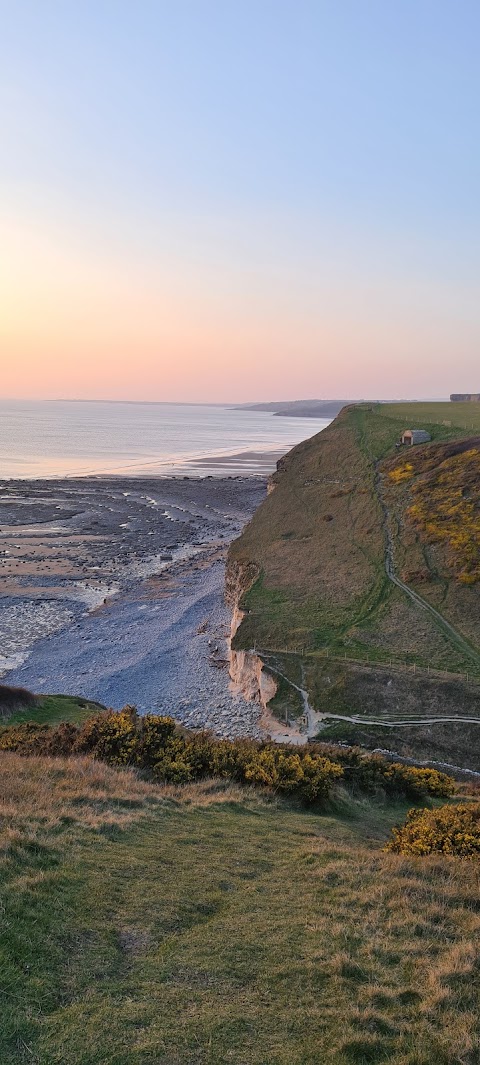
(418, 436)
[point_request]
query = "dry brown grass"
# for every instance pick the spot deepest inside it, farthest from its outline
(211, 792)
(316, 540)
(42, 793)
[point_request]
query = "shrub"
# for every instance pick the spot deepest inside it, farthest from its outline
(450, 830)
(416, 783)
(318, 776)
(273, 769)
(112, 737)
(60, 740)
(27, 738)
(172, 765)
(368, 772)
(153, 734)
(230, 759)
(174, 755)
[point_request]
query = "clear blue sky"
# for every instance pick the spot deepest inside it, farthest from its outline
(291, 186)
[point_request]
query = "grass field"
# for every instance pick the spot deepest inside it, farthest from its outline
(51, 709)
(143, 926)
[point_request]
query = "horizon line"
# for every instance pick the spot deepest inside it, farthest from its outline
(234, 404)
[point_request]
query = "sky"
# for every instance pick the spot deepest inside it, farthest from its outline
(215, 201)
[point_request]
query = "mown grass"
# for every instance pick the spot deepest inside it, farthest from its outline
(443, 418)
(52, 709)
(209, 925)
(381, 424)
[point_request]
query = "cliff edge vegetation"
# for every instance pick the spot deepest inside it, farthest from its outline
(358, 580)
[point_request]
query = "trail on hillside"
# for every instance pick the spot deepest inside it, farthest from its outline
(311, 717)
(456, 637)
(405, 723)
(314, 717)
(450, 631)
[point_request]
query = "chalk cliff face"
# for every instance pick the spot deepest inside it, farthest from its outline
(246, 668)
(249, 678)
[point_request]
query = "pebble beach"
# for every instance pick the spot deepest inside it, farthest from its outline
(112, 588)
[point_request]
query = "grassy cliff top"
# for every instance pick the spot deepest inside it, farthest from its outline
(45, 709)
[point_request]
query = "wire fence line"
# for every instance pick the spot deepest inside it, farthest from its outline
(370, 662)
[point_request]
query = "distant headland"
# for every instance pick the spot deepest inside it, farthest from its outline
(300, 408)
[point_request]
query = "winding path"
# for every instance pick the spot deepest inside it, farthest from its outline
(312, 718)
(460, 642)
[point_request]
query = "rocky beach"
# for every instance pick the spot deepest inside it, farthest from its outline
(113, 588)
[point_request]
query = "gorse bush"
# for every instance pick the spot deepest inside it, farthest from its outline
(369, 772)
(112, 737)
(445, 502)
(172, 755)
(450, 830)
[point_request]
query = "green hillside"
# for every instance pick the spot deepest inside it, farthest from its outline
(50, 710)
(371, 554)
(207, 925)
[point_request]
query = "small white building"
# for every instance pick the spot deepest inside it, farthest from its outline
(415, 436)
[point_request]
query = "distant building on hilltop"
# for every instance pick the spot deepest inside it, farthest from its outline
(415, 436)
(461, 398)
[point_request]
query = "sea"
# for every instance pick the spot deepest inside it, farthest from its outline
(48, 439)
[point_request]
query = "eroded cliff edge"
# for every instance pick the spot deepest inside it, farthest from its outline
(247, 672)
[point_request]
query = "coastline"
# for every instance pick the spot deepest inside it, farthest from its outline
(71, 439)
(234, 466)
(113, 588)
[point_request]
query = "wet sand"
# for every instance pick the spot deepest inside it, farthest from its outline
(112, 588)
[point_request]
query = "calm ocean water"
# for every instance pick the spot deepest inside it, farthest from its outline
(58, 439)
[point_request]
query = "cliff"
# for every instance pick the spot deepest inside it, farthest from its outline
(247, 672)
(340, 559)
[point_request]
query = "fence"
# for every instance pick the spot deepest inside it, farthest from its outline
(371, 663)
